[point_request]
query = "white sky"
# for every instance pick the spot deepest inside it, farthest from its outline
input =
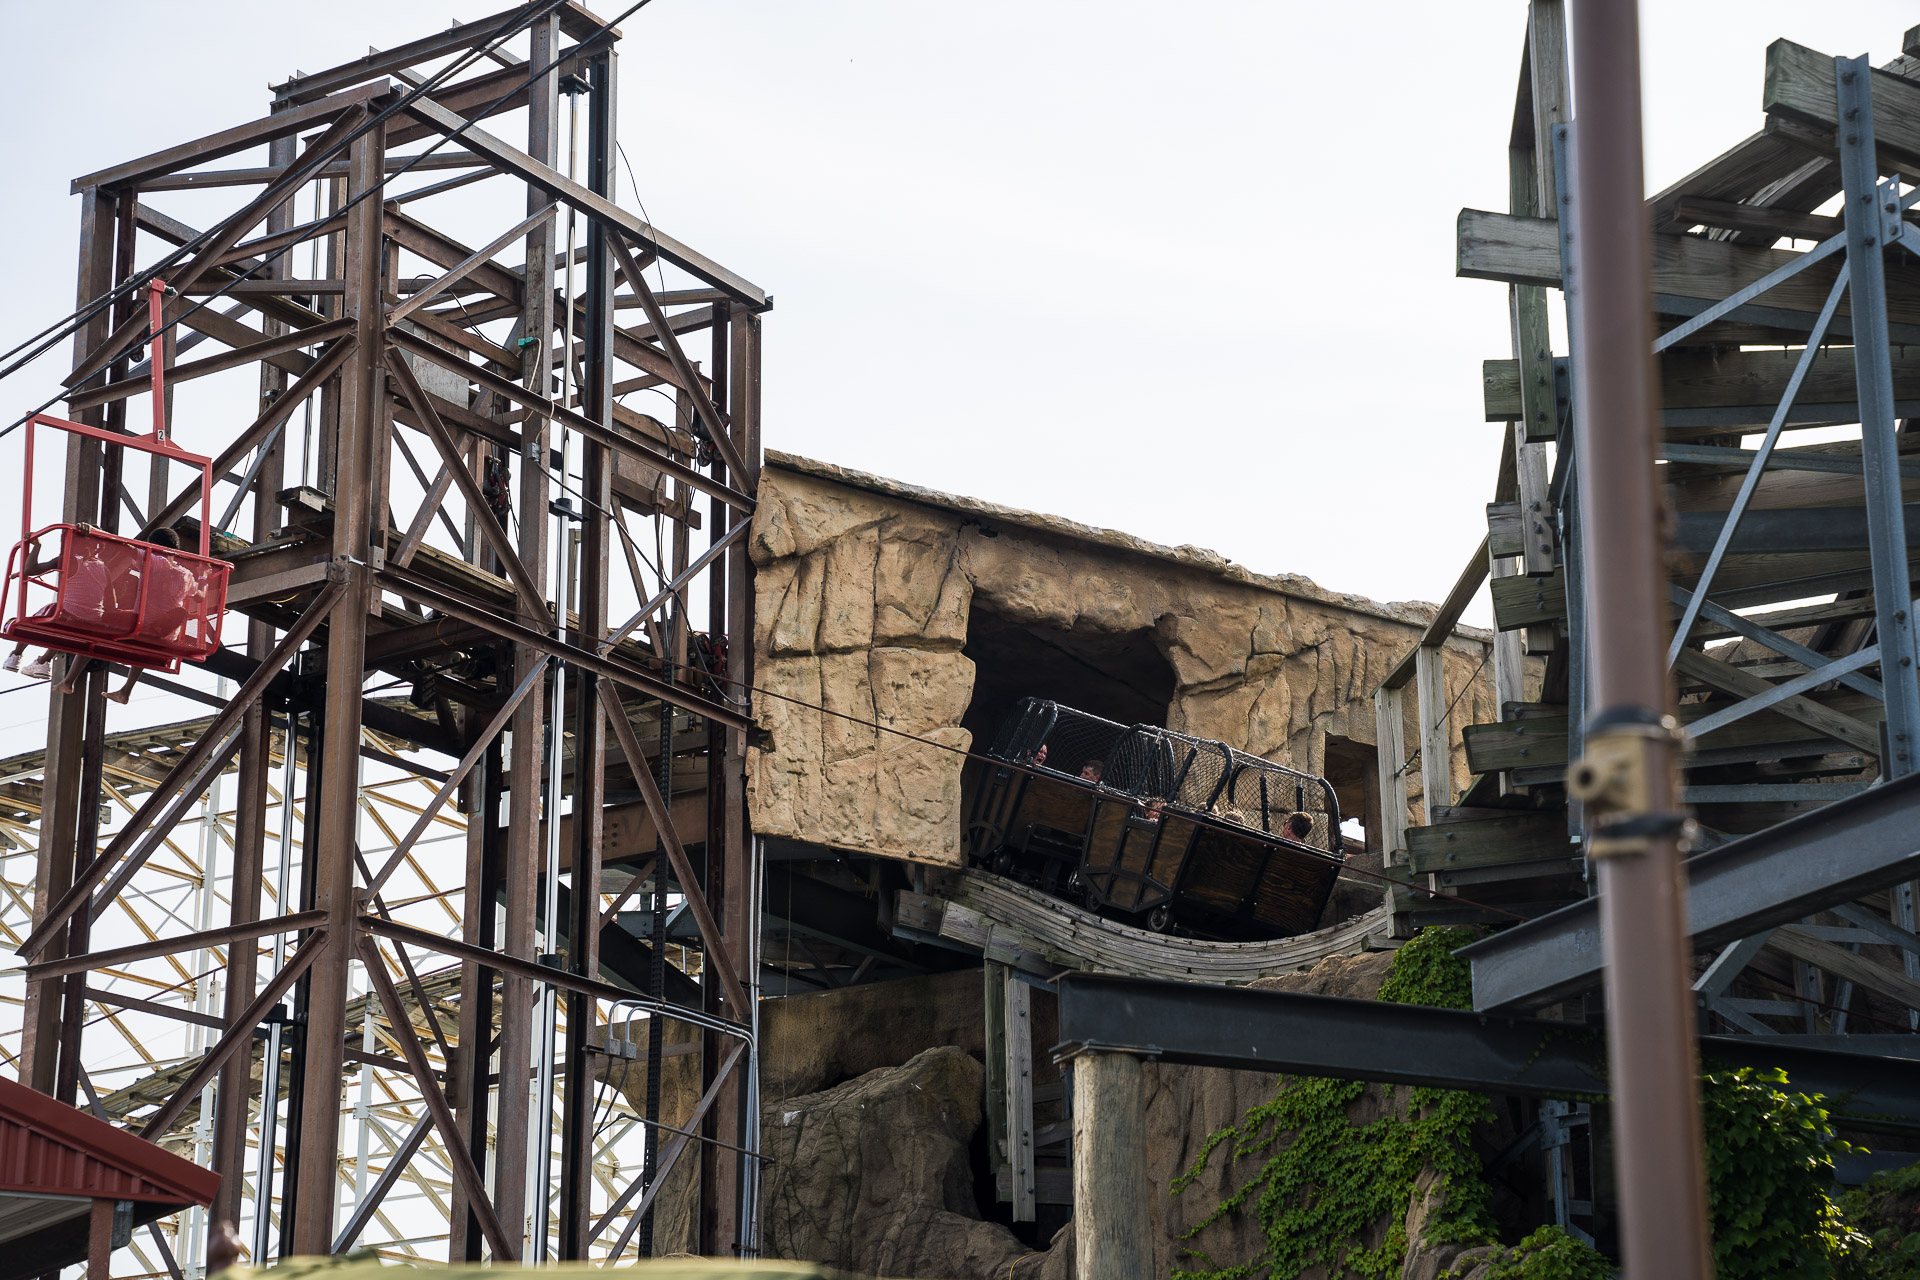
(1182, 270)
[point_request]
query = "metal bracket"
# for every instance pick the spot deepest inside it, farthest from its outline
(1613, 778)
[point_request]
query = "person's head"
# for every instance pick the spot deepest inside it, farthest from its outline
(168, 538)
(1040, 756)
(1093, 769)
(1299, 826)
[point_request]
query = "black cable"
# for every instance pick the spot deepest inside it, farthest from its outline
(425, 87)
(139, 280)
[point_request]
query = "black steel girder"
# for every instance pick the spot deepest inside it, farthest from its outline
(1249, 1029)
(1808, 863)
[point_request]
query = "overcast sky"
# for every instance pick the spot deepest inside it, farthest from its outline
(1184, 270)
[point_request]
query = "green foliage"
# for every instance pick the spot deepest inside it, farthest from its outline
(1318, 1196)
(1548, 1254)
(1769, 1165)
(1887, 1213)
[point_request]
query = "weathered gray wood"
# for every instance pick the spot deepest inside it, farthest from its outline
(1488, 842)
(1436, 756)
(994, 1050)
(1516, 250)
(1800, 84)
(1731, 679)
(1019, 1003)
(1540, 741)
(1112, 1228)
(1390, 750)
(1014, 925)
(1725, 379)
(1842, 963)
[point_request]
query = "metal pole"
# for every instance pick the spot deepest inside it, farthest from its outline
(1868, 225)
(1628, 777)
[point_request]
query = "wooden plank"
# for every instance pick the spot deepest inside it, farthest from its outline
(1731, 679)
(1390, 750)
(1436, 754)
(1794, 941)
(1528, 600)
(1552, 103)
(1725, 378)
(1536, 742)
(1516, 250)
(1013, 924)
(993, 1046)
(1741, 173)
(1767, 223)
(1800, 85)
(1019, 1001)
(1488, 842)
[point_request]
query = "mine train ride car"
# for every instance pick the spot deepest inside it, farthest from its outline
(1155, 828)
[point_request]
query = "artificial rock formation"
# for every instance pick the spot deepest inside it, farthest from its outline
(874, 1176)
(865, 588)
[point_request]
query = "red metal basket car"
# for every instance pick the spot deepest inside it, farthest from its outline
(82, 590)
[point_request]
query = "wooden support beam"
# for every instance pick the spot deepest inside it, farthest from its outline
(1521, 836)
(1389, 720)
(1795, 941)
(1112, 1224)
(1800, 85)
(1725, 379)
(1730, 679)
(1436, 754)
(1019, 1032)
(1515, 250)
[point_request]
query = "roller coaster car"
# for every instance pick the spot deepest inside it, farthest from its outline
(1155, 828)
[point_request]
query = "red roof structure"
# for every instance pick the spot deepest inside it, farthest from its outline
(59, 1167)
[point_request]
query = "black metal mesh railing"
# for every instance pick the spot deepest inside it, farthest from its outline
(1161, 768)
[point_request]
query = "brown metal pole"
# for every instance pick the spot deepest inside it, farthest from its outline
(1632, 788)
(67, 712)
(523, 842)
(363, 430)
(234, 1094)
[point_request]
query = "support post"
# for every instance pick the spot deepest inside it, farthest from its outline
(1436, 753)
(1867, 241)
(590, 731)
(233, 1096)
(1019, 1074)
(1651, 1049)
(1390, 750)
(362, 432)
(1113, 1235)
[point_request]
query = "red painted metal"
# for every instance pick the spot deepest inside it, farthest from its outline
(110, 597)
(49, 1148)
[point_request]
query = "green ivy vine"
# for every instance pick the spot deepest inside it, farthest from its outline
(1324, 1183)
(1770, 1155)
(1887, 1213)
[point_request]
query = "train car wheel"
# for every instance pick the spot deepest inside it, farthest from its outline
(1160, 918)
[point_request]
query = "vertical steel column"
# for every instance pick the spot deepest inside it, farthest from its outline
(521, 875)
(709, 1239)
(91, 685)
(1642, 893)
(66, 712)
(1868, 227)
(590, 731)
(735, 1214)
(235, 1090)
(363, 432)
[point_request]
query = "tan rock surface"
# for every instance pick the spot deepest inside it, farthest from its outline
(874, 1175)
(863, 594)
